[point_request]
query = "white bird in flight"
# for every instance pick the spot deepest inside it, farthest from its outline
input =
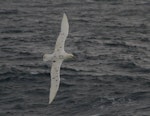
(57, 58)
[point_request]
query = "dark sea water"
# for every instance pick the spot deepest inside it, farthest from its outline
(110, 75)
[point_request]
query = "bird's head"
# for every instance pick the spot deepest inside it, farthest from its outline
(70, 56)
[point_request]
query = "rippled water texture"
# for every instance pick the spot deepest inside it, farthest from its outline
(109, 77)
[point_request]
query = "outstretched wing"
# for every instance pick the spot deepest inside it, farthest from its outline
(55, 79)
(62, 35)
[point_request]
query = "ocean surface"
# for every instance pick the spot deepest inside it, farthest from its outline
(110, 75)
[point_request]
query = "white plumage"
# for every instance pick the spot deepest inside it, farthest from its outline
(57, 58)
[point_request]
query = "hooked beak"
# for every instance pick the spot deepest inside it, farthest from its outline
(74, 56)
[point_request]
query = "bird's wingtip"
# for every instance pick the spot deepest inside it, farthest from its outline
(65, 24)
(64, 15)
(50, 101)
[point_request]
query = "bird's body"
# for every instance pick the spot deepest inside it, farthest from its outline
(57, 58)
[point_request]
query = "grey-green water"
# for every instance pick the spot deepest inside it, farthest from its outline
(109, 77)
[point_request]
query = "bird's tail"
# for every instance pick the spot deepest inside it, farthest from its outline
(47, 57)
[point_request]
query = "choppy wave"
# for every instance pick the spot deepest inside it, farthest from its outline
(110, 75)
